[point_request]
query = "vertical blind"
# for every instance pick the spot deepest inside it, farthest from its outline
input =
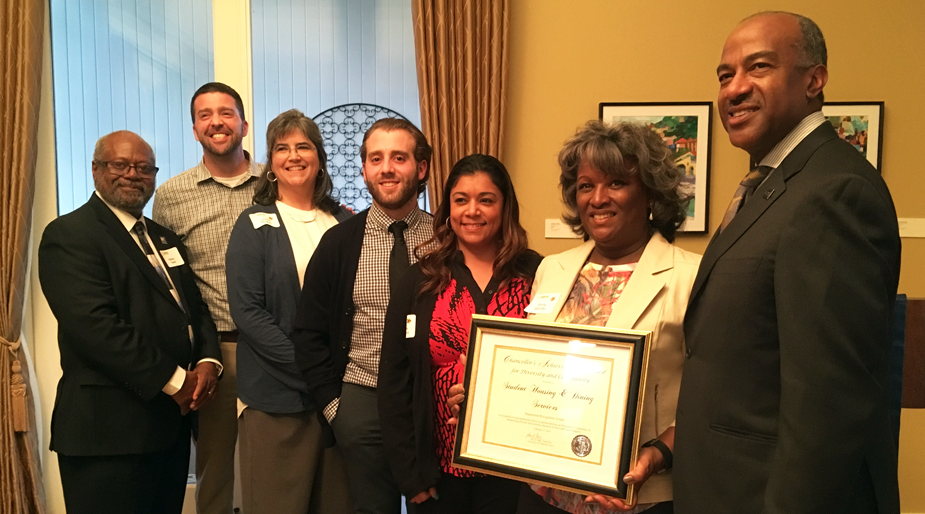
(126, 64)
(316, 54)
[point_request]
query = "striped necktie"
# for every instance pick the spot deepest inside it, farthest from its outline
(746, 188)
(139, 230)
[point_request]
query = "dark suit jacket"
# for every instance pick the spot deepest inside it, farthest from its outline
(783, 405)
(121, 334)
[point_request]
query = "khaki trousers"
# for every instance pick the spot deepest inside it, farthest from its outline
(218, 433)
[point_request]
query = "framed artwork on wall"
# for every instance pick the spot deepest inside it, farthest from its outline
(686, 129)
(861, 124)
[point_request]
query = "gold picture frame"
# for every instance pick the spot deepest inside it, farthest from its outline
(553, 404)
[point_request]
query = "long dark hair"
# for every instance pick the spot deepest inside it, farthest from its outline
(286, 123)
(512, 235)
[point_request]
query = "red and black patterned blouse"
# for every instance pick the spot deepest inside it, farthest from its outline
(449, 337)
(424, 335)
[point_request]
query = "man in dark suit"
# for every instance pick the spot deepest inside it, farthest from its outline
(783, 407)
(138, 348)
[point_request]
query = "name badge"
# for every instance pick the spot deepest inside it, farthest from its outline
(543, 303)
(410, 323)
(260, 219)
(172, 257)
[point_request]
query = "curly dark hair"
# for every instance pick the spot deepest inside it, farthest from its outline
(512, 235)
(293, 120)
(609, 148)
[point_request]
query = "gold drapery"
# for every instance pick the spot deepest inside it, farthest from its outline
(461, 51)
(21, 26)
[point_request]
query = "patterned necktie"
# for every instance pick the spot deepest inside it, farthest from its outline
(398, 257)
(139, 230)
(746, 188)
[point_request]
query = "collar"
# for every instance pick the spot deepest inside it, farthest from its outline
(202, 172)
(128, 221)
(380, 220)
(791, 140)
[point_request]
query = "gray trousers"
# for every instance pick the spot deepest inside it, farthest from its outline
(359, 436)
(285, 467)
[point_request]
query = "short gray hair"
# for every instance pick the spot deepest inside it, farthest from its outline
(611, 148)
(102, 144)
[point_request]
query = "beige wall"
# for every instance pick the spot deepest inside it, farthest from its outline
(566, 57)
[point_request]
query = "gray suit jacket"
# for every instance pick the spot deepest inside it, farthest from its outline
(783, 405)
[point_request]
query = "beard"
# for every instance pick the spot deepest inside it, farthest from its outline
(396, 199)
(233, 145)
(131, 200)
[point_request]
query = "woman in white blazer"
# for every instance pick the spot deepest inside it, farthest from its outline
(624, 194)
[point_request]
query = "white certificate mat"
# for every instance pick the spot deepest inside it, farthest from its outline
(553, 403)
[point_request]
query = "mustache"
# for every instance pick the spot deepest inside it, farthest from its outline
(135, 183)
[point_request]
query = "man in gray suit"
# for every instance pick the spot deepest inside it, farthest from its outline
(782, 406)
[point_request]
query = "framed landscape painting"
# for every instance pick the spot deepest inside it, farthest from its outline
(685, 127)
(859, 123)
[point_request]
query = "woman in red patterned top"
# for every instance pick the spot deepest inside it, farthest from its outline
(480, 264)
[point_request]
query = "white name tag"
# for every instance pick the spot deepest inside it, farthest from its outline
(410, 323)
(543, 303)
(172, 257)
(260, 219)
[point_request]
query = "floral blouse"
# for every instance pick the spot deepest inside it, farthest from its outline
(590, 303)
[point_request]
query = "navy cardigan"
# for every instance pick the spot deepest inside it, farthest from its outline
(263, 293)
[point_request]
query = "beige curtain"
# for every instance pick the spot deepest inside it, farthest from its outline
(21, 26)
(462, 48)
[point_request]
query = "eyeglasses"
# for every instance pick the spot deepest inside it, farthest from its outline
(300, 148)
(121, 168)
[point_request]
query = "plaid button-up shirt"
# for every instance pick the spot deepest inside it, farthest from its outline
(202, 211)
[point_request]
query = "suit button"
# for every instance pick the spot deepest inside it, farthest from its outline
(687, 353)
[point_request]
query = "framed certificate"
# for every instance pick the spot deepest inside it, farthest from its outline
(553, 403)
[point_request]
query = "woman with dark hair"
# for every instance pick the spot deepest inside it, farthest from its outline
(624, 194)
(284, 465)
(479, 263)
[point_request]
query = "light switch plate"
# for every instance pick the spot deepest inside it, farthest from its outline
(557, 229)
(908, 227)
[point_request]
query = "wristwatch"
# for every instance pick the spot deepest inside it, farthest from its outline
(664, 450)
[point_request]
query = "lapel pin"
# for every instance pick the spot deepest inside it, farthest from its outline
(163, 241)
(767, 195)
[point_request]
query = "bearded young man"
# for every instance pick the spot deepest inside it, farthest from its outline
(338, 328)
